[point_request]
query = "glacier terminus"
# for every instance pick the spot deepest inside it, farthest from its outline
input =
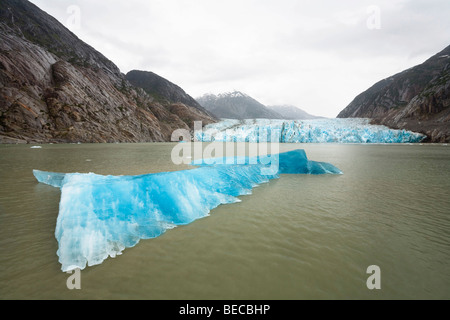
(304, 131)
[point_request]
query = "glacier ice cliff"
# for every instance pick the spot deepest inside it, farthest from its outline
(304, 131)
(100, 216)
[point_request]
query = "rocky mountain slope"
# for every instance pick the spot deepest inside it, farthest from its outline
(416, 99)
(236, 105)
(56, 88)
(169, 94)
(289, 112)
(162, 89)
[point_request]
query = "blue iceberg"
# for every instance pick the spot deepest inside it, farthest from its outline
(304, 131)
(99, 216)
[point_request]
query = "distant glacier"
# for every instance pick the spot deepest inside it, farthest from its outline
(304, 131)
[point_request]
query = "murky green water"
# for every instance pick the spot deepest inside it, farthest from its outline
(298, 237)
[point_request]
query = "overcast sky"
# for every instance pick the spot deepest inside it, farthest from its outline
(317, 55)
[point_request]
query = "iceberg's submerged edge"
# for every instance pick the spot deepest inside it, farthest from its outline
(99, 216)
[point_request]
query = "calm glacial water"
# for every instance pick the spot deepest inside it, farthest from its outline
(298, 237)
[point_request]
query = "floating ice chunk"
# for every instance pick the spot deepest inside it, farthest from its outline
(51, 178)
(99, 216)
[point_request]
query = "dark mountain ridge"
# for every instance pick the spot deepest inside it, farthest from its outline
(161, 89)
